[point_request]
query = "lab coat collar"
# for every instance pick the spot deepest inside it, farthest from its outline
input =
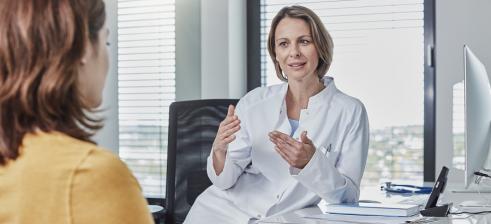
(273, 109)
(324, 95)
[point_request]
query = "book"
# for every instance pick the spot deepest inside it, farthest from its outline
(379, 209)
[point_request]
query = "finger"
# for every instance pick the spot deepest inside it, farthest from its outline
(280, 138)
(231, 124)
(283, 155)
(284, 137)
(231, 131)
(228, 120)
(305, 139)
(225, 139)
(282, 144)
(292, 151)
(279, 134)
(231, 110)
(274, 138)
(291, 141)
(229, 139)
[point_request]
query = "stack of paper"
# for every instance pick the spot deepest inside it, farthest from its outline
(363, 219)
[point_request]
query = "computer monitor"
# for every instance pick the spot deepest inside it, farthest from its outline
(477, 115)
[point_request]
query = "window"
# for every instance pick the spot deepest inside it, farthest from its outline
(379, 58)
(146, 87)
(458, 126)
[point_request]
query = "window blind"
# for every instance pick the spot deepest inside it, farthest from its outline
(458, 125)
(146, 87)
(378, 58)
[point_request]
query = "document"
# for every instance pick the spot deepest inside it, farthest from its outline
(314, 215)
(363, 219)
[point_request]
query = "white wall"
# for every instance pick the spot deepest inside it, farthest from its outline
(237, 48)
(223, 49)
(457, 23)
(214, 48)
(108, 136)
(210, 49)
(188, 49)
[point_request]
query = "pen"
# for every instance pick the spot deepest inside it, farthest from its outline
(328, 149)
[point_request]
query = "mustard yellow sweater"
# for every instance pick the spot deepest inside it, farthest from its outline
(59, 179)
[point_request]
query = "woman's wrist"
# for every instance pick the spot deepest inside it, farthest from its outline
(219, 152)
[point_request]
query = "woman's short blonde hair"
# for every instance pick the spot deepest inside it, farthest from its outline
(321, 38)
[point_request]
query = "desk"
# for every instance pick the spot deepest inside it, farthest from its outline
(374, 193)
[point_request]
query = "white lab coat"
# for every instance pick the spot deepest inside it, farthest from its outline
(257, 182)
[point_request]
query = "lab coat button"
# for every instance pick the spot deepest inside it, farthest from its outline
(258, 216)
(277, 196)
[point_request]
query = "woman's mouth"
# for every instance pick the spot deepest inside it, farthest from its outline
(297, 65)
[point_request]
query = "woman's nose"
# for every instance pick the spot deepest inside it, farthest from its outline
(294, 52)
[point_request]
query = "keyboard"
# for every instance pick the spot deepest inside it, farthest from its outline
(419, 199)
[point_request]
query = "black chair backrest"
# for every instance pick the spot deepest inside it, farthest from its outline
(192, 129)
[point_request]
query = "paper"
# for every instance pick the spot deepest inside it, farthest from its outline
(362, 219)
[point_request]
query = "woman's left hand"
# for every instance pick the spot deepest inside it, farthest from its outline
(296, 153)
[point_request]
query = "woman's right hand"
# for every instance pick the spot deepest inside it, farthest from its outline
(226, 131)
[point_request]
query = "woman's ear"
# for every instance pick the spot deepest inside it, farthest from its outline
(83, 61)
(87, 54)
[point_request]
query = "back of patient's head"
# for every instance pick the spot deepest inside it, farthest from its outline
(42, 43)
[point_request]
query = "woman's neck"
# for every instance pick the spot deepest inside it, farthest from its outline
(298, 94)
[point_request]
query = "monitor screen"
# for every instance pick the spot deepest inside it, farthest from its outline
(477, 115)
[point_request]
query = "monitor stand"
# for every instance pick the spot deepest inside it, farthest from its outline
(484, 201)
(473, 188)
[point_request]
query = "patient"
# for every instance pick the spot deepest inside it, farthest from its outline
(53, 65)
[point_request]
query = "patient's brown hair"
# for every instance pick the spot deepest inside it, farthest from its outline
(42, 43)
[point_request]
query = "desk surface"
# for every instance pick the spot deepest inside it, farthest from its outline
(374, 193)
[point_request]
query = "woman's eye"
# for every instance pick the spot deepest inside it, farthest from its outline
(304, 42)
(282, 44)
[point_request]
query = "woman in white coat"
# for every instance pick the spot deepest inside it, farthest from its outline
(286, 147)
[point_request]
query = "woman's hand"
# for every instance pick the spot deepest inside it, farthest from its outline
(225, 134)
(296, 153)
(226, 131)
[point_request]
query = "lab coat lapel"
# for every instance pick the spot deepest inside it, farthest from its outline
(266, 116)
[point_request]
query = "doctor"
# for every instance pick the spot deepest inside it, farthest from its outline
(286, 147)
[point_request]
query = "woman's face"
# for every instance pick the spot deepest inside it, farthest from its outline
(295, 49)
(93, 71)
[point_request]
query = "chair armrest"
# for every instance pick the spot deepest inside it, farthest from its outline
(158, 213)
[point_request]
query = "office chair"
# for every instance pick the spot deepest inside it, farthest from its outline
(192, 129)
